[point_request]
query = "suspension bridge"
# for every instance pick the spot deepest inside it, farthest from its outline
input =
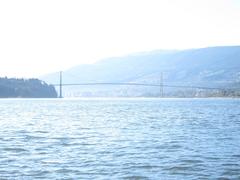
(161, 85)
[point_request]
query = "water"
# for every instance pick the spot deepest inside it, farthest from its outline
(120, 139)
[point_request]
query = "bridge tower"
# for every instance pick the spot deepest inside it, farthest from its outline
(161, 85)
(60, 85)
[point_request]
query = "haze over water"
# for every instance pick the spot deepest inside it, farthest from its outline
(119, 138)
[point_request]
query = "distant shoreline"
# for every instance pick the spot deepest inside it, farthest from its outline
(102, 98)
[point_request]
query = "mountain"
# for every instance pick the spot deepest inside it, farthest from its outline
(25, 88)
(212, 67)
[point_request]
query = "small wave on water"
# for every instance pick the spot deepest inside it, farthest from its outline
(120, 139)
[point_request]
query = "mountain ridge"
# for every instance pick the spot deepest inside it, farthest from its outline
(213, 66)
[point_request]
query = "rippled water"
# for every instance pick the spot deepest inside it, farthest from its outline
(120, 139)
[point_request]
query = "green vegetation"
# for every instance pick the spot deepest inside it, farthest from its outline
(26, 88)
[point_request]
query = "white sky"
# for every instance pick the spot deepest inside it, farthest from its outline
(42, 36)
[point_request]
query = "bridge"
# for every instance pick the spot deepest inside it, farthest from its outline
(160, 85)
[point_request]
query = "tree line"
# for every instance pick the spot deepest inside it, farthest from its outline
(25, 88)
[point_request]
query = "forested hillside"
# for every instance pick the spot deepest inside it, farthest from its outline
(25, 88)
(215, 67)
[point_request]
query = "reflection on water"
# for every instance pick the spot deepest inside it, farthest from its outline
(120, 138)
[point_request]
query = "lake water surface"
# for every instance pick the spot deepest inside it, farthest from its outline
(120, 139)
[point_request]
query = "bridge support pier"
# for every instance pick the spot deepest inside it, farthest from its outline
(161, 86)
(60, 85)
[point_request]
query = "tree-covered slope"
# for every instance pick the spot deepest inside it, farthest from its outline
(211, 67)
(25, 88)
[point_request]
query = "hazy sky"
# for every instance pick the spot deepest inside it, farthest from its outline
(41, 36)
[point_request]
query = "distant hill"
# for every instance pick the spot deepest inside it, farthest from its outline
(212, 67)
(25, 88)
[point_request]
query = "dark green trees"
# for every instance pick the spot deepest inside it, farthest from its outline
(26, 88)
